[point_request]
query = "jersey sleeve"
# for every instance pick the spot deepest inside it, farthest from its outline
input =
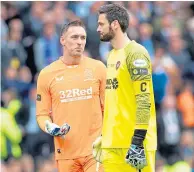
(102, 72)
(43, 100)
(139, 68)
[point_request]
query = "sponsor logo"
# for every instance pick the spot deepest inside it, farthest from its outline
(112, 83)
(75, 94)
(60, 78)
(140, 71)
(139, 63)
(118, 65)
(110, 65)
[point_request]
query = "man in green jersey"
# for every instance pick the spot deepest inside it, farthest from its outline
(128, 141)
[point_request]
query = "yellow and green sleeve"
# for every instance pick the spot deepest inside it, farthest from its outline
(139, 67)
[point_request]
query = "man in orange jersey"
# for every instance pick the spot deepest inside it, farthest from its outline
(70, 92)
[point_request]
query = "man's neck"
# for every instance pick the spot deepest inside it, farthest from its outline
(120, 40)
(69, 60)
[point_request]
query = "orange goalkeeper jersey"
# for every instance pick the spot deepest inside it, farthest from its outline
(73, 95)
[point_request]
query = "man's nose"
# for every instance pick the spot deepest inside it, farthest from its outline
(79, 41)
(98, 29)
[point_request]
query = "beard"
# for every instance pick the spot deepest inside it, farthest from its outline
(108, 37)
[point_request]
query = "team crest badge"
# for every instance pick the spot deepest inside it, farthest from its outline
(118, 65)
(88, 74)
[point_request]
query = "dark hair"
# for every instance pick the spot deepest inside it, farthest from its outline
(73, 23)
(116, 12)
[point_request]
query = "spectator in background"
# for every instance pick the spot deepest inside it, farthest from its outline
(177, 50)
(4, 27)
(47, 165)
(47, 48)
(93, 44)
(163, 60)
(162, 28)
(169, 130)
(10, 78)
(190, 36)
(59, 15)
(187, 145)
(142, 10)
(82, 8)
(145, 12)
(33, 21)
(145, 39)
(15, 46)
(133, 7)
(24, 82)
(11, 102)
(27, 163)
(18, 80)
(132, 31)
(14, 165)
(10, 136)
(4, 167)
(187, 109)
(160, 77)
(62, 14)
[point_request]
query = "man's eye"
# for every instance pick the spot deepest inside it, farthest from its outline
(75, 37)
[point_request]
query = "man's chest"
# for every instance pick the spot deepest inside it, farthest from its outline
(74, 85)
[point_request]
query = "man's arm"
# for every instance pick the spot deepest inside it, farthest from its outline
(43, 101)
(41, 121)
(43, 105)
(139, 67)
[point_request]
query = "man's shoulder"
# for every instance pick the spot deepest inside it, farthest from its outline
(50, 68)
(135, 48)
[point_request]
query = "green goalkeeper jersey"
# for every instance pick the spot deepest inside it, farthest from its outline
(129, 98)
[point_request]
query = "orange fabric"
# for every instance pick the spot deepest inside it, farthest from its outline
(186, 106)
(73, 95)
(41, 121)
(85, 164)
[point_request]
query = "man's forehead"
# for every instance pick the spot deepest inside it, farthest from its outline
(102, 17)
(76, 30)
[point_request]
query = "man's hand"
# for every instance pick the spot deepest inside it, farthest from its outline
(136, 154)
(54, 130)
(136, 157)
(97, 151)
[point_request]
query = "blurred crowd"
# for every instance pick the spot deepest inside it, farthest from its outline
(30, 41)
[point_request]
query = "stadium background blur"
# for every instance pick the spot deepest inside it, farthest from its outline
(30, 41)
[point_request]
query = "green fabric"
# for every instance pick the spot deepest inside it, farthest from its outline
(14, 107)
(9, 130)
(181, 166)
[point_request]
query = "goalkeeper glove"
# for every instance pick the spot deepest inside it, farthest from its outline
(54, 130)
(97, 151)
(136, 153)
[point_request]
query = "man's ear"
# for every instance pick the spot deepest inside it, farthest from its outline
(62, 40)
(115, 24)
